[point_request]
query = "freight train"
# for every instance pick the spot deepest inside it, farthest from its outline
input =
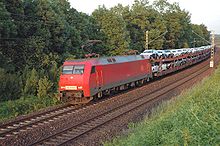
(83, 80)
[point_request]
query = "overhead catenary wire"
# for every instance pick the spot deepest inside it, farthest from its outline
(36, 22)
(33, 21)
(158, 37)
(23, 15)
(202, 37)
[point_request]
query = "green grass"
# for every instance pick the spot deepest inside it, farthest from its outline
(11, 109)
(192, 118)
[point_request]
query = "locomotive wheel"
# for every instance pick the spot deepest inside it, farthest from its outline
(100, 94)
(148, 79)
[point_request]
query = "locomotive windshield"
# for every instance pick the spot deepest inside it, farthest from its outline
(73, 69)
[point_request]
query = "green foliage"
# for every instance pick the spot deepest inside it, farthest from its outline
(10, 109)
(44, 87)
(7, 30)
(31, 85)
(117, 37)
(201, 30)
(177, 22)
(140, 19)
(9, 86)
(191, 119)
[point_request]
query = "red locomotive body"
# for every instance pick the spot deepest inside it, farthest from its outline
(82, 80)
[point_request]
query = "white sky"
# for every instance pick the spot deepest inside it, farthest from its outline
(203, 11)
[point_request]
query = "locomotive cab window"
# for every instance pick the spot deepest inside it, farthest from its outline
(73, 69)
(67, 70)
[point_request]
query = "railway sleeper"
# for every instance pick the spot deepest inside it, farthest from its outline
(49, 143)
(55, 141)
(62, 138)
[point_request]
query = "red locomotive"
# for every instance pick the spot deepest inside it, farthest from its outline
(84, 79)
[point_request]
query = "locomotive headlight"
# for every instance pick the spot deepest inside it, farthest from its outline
(80, 87)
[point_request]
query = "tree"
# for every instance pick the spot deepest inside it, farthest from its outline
(177, 22)
(200, 34)
(44, 86)
(10, 88)
(8, 30)
(114, 27)
(31, 85)
(139, 19)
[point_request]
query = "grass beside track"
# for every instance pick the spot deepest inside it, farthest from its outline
(11, 109)
(192, 118)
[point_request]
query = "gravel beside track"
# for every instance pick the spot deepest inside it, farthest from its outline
(111, 108)
(13, 127)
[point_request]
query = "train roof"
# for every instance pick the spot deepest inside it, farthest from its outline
(106, 60)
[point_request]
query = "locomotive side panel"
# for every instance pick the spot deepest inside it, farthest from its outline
(114, 75)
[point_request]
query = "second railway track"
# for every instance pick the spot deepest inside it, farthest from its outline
(14, 127)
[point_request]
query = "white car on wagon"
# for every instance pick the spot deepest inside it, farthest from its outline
(149, 54)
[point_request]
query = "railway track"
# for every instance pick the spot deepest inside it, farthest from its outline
(24, 124)
(72, 133)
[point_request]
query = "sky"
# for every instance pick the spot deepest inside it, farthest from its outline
(202, 11)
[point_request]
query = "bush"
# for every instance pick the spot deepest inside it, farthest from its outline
(44, 86)
(10, 86)
(10, 109)
(30, 87)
